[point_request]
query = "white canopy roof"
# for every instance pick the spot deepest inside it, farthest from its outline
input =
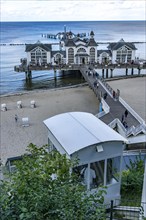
(77, 130)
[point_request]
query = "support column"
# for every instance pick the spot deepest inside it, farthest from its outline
(112, 73)
(132, 71)
(107, 73)
(126, 71)
(102, 73)
(139, 70)
(55, 74)
(29, 74)
(26, 75)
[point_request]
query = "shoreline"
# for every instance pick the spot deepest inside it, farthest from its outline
(42, 89)
(69, 86)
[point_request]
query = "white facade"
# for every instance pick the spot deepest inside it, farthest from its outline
(78, 51)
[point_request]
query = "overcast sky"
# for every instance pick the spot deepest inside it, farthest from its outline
(72, 10)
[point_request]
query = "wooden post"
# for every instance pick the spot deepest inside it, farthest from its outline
(126, 71)
(29, 74)
(107, 73)
(54, 73)
(139, 69)
(102, 73)
(112, 73)
(26, 75)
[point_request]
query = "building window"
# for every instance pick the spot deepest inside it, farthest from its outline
(124, 55)
(38, 56)
(58, 58)
(92, 55)
(113, 170)
(97, 174)
(81, 172)
(91, 175)
(104, 57)
(71, 55)
(81, 50)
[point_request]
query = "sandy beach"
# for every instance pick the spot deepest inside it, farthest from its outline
(15, 138)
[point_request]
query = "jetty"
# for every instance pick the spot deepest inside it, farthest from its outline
(107, 69)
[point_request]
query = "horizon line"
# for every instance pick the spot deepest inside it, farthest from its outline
(75, 21)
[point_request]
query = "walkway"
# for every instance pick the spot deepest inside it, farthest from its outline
(117, 109)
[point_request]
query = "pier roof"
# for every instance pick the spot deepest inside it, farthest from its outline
(30, 47)
(121, 43)
(70, 43)
(103, 51)
(58, 51)
(92, 42)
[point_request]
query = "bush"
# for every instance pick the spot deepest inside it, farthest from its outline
(33, 193)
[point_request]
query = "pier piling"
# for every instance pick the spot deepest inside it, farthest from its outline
(107, 73)
(126, 71)
(103, 73)
(111, 73)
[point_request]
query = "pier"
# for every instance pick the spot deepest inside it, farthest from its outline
(112, 110)
(107, 69)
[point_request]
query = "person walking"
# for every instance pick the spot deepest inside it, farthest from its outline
(126, 113)
(16, 118)
(122, 120)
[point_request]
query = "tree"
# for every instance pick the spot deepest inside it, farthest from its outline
(33, 193)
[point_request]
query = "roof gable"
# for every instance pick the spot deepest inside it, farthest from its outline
(92, 42)
(121, 43)
(30, 47)
(70, 43)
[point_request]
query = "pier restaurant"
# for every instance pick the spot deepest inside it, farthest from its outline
(81, 135)
(75, 50)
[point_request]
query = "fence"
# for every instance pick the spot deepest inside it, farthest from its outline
(128, 211)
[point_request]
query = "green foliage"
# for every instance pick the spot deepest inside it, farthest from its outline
(132, 178)
(32, 193)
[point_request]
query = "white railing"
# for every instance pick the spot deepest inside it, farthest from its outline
(105, 106)
(100, 114)
(131, 111)
(126, 132)
(133, 152)
(136, 130)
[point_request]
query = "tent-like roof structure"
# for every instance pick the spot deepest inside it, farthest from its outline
(77, 130)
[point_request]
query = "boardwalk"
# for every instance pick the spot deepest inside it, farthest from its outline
(117, 109)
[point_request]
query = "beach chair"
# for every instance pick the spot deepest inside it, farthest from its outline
(25, 122)
(19, 104)
(3, 107)
(32, 104)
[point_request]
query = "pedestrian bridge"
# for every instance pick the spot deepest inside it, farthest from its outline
(112, 108)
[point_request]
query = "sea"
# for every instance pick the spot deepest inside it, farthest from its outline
(14, 36)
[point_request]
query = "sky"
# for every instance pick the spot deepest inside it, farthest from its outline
(72, 10)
